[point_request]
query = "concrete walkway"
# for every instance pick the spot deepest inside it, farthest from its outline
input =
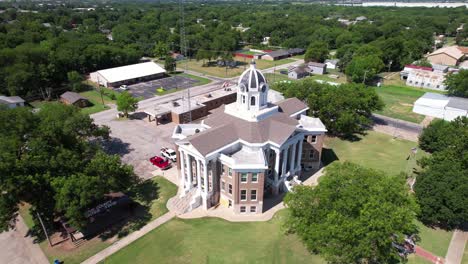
(16, 247)
(456, 247)
(129, 239)
(429, 256)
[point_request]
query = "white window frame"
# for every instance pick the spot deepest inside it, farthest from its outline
(242, 207)
(313, 139)
(256, 174)
(229, 172)
(256, 195)
(223, 186)
(229, 188)
(246, 177)
(240, 195)
(255, 209)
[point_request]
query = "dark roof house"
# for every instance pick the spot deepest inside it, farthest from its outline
(72, 98)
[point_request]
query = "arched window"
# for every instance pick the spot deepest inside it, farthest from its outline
(252, 100)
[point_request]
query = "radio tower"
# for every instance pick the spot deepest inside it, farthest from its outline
(183, 50)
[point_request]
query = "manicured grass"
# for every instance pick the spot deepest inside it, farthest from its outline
(375, 150)
(300, 57)
(213, 240)
(156, 202)
(201, 80)
(465, 256)
(434, 240)
(276, 77)
(95, 98)
(399, 101)
(326, 78)
(218, 71)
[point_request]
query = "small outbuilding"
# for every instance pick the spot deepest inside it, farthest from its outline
(332, 64)
(11, 101)
(317, 68)
(298, 73)
(72, 98)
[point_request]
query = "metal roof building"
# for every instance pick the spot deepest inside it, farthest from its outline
(129, 74)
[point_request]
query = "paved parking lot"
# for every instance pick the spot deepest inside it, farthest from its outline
(136, 141)
(148, 89)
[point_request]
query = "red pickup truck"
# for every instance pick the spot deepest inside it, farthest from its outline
(160, 162)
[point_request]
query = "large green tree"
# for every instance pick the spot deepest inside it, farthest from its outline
(442, 186)
(457, 83)
(126, 103)
(345, 109)
(47, 159)
(160, 50)
(317, 51)
(362, 69)
(353, 215)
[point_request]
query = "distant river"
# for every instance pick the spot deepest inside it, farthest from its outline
(421, 4)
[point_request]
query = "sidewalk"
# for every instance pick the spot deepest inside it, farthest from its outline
(428, 255)
(129, 239)
(456, 247)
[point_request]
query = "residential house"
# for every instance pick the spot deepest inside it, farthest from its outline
(409, 68)
(360, 18)
(11, 101)
(441, 106)
(450, 56)
(177, 56)
(249, 150)
(316, 68)
(275, 55)
(332, 63)
(72, 98)
(298, 73)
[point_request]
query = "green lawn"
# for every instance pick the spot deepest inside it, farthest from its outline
(221, 71)
(95, 98)
(399, 102)
(434, 240)
(213, 240)
(154, 194)
(465, 256)
(341, 79)
(276, 77)
(414, 259)
(375, 150)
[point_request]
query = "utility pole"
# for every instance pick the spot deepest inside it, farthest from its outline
(365, 74)
(183, 49)
(43, 227)
(100, 90)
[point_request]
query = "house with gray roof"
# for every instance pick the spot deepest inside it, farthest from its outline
(316, 68)
(246, 150)
(298, 73)
(72, 98)
(11, 101)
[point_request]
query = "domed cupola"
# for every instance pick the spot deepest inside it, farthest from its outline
(252, 89)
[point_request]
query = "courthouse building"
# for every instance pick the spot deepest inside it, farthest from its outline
(248, 149)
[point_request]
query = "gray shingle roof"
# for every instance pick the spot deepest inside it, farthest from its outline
(278, 53)
(291, 105)
(72, 97)
(11, 99)
(457, 102)
(316, 64)
(226, 129)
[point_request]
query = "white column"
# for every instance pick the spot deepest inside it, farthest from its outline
(189, 170)
(205, 176)
(198, 175)
(277, 157)
(292, 158)
(182, 168)
(299, 157)
(285, 158)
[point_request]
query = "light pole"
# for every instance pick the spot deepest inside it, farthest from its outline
(365, 74)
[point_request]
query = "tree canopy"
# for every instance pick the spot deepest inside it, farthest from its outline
(362, 69)
(457, 83)
(345, 109)
(126, 103)
(353, 215)
(442, 186)
(50, 160)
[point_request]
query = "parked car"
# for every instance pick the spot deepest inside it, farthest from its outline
(169, 154)
(160, 162)
(123, 87)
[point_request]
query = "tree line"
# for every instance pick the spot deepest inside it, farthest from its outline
(38, 50)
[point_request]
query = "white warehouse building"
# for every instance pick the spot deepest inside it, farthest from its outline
(129, 74)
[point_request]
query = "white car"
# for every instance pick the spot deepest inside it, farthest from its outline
(123, 87)
(169, 154)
